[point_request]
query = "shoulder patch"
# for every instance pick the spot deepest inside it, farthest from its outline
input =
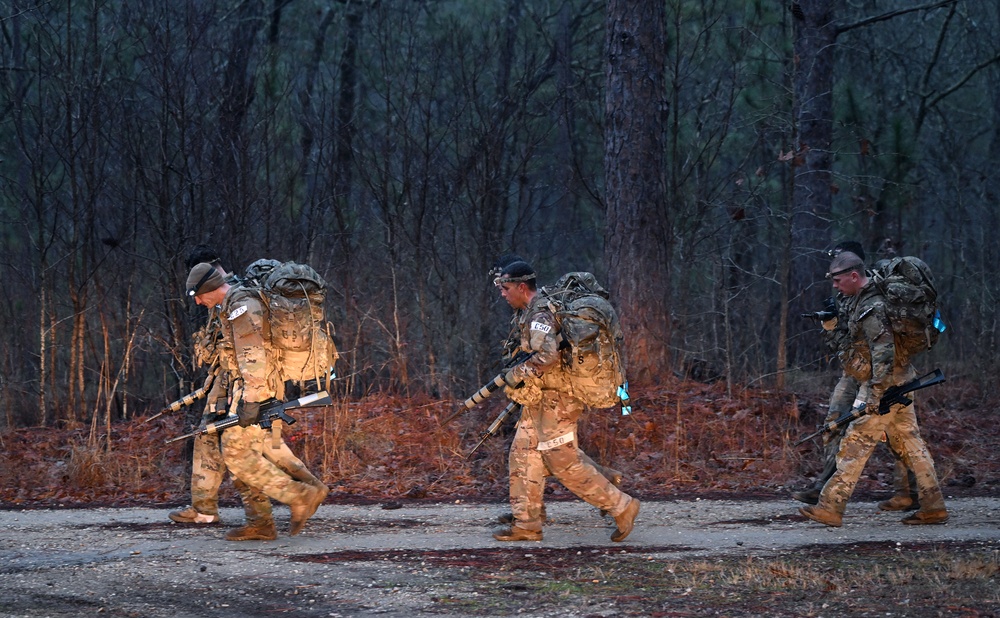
(237, 313)
(865, 313)
(543, 328)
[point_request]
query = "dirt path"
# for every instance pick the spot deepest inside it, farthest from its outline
(419, 559)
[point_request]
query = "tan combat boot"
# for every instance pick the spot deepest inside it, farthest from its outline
(191, 516)
(823, 515)
(625, 521)
(938, 516)
(899, 503)
(254, 531)
(306, 507)
(515, 533)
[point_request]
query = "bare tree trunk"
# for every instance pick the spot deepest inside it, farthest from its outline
(812, 198)
(343, 180)
(43, 352)
(637, 239)
(237, 93)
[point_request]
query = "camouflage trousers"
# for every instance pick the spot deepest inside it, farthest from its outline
(841, 400)
(208, 466)
(272, 469)
(207, 471)
(546, 443)
(900, 425)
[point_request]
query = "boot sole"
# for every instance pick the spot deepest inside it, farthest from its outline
(516, 537)
(254, 537)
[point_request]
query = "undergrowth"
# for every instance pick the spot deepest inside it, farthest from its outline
(683, 438)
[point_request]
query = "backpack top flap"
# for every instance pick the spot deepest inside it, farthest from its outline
(574, 284)
(293, 280)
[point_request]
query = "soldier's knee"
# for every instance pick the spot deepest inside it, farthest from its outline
(562, 459)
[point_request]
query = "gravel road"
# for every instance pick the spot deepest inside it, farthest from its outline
(369, 560)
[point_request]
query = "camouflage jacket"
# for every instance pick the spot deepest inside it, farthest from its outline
(539, 333)
(210, 342)
(870, 356)
(243, 316)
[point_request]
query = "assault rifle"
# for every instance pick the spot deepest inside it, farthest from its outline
(186, 400)
(510, 408)
(490, 387)
(828, 313)
(894, 395)
(269, 412)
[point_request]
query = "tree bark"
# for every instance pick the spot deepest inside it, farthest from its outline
(637, 241)
(812, 196)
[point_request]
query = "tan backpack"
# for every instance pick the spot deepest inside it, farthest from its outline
(591, 338)
(300, 337)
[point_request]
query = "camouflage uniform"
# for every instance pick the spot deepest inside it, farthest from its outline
(208, 466)
(207, 463)
(545, 441)
(841, 400)
(256, 456)
(511, 346)
(871, 358)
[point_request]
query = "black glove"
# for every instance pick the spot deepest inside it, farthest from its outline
(248, 412)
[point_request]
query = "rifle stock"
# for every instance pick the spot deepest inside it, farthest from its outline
(892, 396)
(268, 414)
(490, 387)
(186, 400)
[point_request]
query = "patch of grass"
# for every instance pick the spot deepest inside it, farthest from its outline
(954, 581)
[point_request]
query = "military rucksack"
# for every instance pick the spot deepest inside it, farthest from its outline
(911, 302)
(591, 338)
(296, 328)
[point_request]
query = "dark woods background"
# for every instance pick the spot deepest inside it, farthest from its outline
(698, 155)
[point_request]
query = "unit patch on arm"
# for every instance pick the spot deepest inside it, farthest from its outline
(544, 328)
(237, 313)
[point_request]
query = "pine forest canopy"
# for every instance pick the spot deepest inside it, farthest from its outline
(698, 155)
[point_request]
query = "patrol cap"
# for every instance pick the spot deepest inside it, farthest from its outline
(502, 262)
(203, 279)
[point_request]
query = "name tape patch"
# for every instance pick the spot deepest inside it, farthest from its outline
(543, 328)
(237, 313)
(548, 445)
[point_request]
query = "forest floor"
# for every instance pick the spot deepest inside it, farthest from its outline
(406, 529)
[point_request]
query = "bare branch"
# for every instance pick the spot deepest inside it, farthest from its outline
(891, 14)
(961, 82)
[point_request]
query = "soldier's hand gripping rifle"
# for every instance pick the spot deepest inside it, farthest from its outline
(269, 412)
(492, 386)
(188, 399)
(509, 409)
(894, 395)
